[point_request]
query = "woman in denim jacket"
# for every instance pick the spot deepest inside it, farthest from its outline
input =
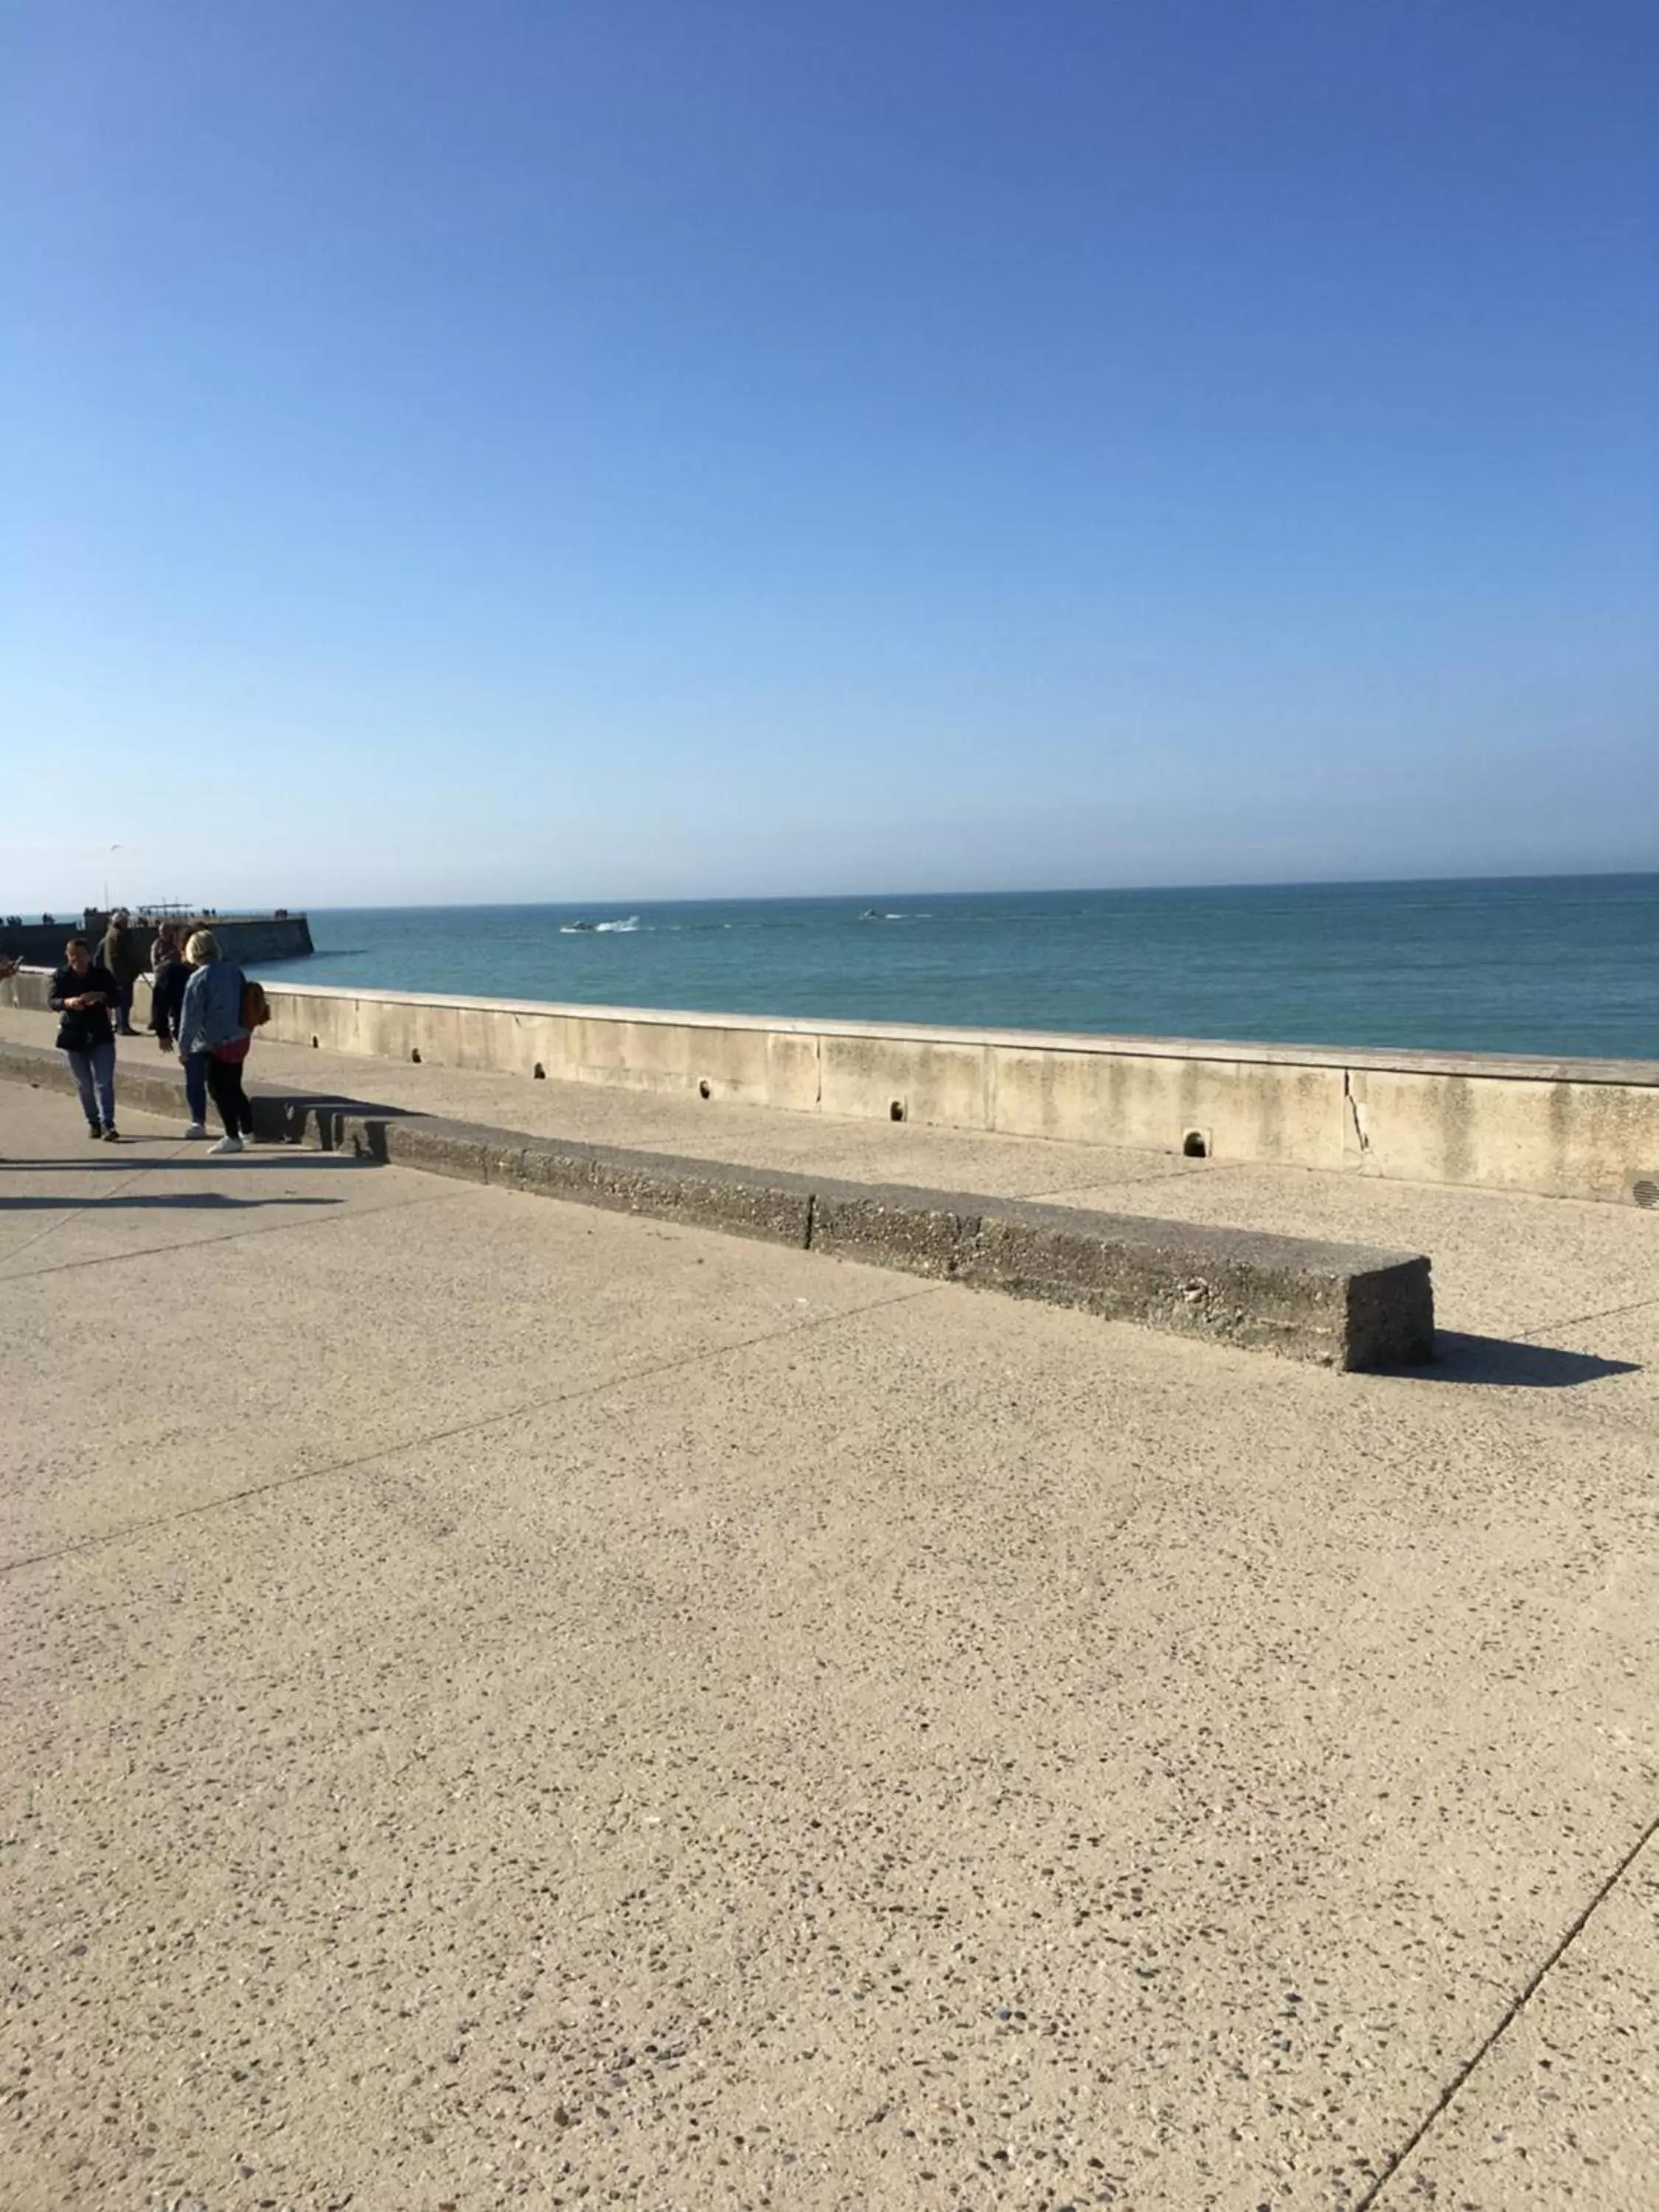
(211, 1025)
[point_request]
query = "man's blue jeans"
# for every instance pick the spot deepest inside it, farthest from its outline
(96, 1067)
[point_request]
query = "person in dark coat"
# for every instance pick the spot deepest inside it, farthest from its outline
(82, 995)
(169, 974)
(119, 954)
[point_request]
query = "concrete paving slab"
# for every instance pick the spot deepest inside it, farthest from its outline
(913, 1750)
(357, 1336)
(899, 1765)
(1565, 2109)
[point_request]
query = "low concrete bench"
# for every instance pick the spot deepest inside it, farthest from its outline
(1338, 1305)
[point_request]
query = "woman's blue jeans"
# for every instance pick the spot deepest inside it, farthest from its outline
(95, 1067)
(196, 1087)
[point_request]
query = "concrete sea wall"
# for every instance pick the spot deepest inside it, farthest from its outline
(1568, 1128)
(1575, 1128)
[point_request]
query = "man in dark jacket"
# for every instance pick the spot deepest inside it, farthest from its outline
(82, 995)
(168, 980)
(118, 953)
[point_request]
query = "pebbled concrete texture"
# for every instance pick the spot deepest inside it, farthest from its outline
(509, 1702)
(1566, 2110)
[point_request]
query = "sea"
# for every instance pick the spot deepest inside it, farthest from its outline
(1558, 965)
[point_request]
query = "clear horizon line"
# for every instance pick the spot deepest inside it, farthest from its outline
(624, 905)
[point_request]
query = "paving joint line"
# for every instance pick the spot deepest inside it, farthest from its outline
(707, 1351)
(1577, 1321)
(1517, 2005)
(1127, 1183)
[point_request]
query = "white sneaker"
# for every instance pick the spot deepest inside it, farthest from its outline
(227, 1144)
(196, 1129)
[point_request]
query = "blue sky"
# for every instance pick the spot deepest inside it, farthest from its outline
(508, 449)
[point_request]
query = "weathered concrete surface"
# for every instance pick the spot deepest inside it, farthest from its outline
(703, 1193)
(1578, 1128)
(1343, 1306)
(664, 1121)
(510, 1701)
(1505, 1263)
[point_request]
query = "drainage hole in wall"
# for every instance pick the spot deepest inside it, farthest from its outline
(1194, 1146)
(896, 1111)
(539, 1073)
(314, 1044)
(1645, 1192)
(415, 1056)
(705, 1089)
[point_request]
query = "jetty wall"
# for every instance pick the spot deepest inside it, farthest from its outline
(1573, 1128)
(242, 936)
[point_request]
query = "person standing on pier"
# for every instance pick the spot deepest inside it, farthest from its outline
(169, 976)
(120, 956)
(82, 996)
(211, 1030)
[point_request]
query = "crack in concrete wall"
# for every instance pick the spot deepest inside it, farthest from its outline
(1356, 1111)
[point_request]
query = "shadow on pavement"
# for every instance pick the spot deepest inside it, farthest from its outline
(286, 1105)
(1511, 1363)
(186, 1198)
(126, 1160)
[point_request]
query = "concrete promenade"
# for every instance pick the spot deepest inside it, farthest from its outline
(511, 1704)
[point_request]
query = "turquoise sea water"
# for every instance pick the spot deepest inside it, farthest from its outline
(1567, 965)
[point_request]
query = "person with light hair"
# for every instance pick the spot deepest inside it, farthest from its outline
(210, 1026)
(169, 976)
